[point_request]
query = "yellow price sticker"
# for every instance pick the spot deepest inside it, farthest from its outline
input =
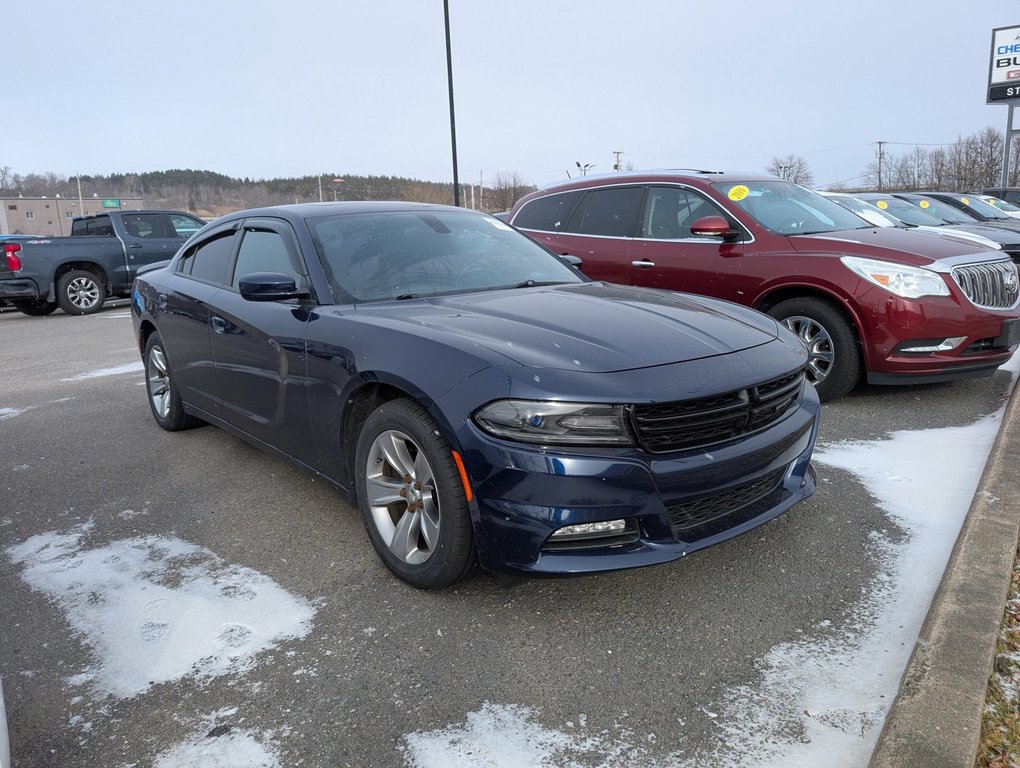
(738, 193)
(924, 204)
(965, 201)
(882, 204)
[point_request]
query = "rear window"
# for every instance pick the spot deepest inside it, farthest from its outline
(549, 213)
(100, 226)
(609, 213)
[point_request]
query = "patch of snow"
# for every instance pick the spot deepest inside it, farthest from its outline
(502, 736)
(234, 749)
(10, 413)
(157, 608)
(135, 367)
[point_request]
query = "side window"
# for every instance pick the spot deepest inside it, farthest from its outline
(100, 226)
(610, 212)
(209, 259)
(671, 211)
(184, 226)
(264, 251)
(144, 225)
(548, 214)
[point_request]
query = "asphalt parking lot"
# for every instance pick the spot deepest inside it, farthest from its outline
(638, 663)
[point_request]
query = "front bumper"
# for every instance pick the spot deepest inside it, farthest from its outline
(674, 503)
(893, 324)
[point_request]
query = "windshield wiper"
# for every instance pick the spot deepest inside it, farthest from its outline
(406, 296)
(534, 283)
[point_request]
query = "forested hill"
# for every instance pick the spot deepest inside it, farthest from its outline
(212, 194)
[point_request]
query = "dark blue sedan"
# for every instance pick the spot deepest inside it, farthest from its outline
(481, 401)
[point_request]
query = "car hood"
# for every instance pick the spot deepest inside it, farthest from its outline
(589, 327)
(1007, 237)
(899, 246)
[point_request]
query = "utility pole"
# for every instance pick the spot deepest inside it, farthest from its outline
(616, 163)
(880, 153)
(81, 202)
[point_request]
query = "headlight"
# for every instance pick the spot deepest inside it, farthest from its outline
(556, 423)
(908, 282)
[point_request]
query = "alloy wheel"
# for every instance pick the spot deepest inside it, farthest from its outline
(158, 381)
(818, 343)
(402, 497)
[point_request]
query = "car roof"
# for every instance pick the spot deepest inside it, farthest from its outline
(658, 174)
(314, 210)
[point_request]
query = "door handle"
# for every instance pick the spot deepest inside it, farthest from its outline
(642, 264)
(135, 245)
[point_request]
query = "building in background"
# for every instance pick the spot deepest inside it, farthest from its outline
(51, 216)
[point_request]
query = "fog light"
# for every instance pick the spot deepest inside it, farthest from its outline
(591, 530)
(922, 346)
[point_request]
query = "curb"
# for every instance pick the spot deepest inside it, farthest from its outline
(935, 719)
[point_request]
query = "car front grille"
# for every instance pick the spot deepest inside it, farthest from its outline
(686, 424)
(689, 516)
(992, 285)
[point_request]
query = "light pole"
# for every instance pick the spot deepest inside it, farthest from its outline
(584, 168)
(453, 121)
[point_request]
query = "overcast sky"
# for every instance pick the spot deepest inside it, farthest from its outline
(264, 89)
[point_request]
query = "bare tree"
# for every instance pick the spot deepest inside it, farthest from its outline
(507, 188)
(791, 168)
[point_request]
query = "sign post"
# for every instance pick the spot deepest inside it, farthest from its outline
(1004, 83)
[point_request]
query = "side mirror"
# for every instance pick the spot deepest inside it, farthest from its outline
(573, 261)
(712, 226)
(269, 286)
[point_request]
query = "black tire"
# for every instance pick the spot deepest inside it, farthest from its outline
(80, 292)
(403, 461)
(35, 307)
(161, 391)
(834, 357)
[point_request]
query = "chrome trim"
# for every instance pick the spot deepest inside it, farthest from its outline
(989, 285)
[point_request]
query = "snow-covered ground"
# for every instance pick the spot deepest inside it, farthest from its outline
(839, 688)
(158, 609)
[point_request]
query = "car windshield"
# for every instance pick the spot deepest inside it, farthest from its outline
(411, 254)
(866, 211)
(788, 209)
(987, 210)
(905, 212)
(942, 210)
(1002, 205)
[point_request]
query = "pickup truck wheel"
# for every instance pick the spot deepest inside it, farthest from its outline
(164, 400)
(80, 292)
(834, 359)
(35, 307)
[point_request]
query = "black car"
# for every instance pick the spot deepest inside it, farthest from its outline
(479, 399)
(971, 206)
(931, 212)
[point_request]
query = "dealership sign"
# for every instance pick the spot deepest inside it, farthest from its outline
(1004, 74)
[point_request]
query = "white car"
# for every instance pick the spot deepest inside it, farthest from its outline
(1007, 208)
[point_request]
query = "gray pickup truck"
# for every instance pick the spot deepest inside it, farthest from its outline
(99, 260)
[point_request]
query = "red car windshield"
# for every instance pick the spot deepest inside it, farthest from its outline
(789, 209)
